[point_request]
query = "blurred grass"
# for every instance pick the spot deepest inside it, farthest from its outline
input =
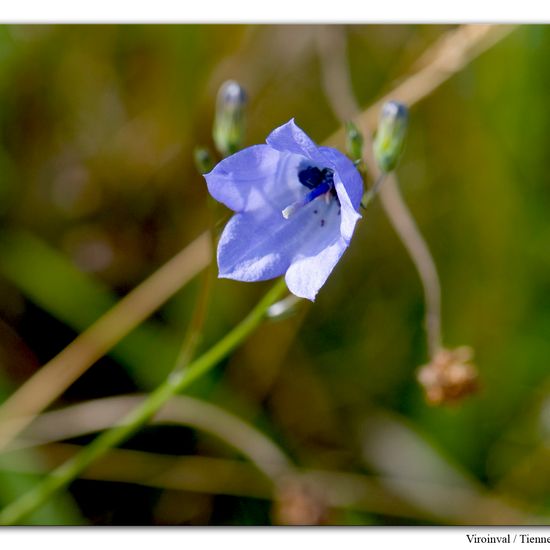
(78, 300)
(61, 510)
(97, 189)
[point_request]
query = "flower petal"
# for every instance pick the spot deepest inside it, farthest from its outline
(248, 251)
(309, 273)
(290, 137)
(349, 188)
(254, 178)
(350, 176)
(256, 245)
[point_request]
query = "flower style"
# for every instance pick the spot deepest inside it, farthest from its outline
(296, 208)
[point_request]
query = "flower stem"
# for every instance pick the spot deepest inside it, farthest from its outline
(177, 382)
(405, 226)
(371, 193)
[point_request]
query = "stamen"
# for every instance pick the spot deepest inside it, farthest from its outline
(291, 209)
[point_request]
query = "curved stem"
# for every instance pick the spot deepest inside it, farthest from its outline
(101, 414)
(177, 382)
(403, 222)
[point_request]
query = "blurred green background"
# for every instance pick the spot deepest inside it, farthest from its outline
(98, 189)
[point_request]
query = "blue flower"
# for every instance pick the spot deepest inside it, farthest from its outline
(296, 208)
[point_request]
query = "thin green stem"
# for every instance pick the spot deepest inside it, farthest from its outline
(371, 193)
(177, 382)
(193, 335)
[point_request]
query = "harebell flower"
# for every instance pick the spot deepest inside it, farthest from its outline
(296, 207)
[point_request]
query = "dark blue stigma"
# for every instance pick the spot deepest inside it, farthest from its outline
(318, 181)
(313, 177)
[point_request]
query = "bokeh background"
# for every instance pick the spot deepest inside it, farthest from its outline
(98, 189)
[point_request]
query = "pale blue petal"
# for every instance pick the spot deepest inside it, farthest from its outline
(290, 137)
(249, 251)
(310, 270)
(348, 173)
(255, 246)
(255, 178)
(349, 188)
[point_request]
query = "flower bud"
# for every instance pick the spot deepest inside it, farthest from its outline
(390, 136)
(229, 124)
(203, 160)
(354, 142)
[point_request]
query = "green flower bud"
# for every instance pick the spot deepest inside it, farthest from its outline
(354, 142)
(229, 125)
(390, 136)
(203, 160)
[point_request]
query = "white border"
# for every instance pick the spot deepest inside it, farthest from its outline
(279, 11)
(449, 538)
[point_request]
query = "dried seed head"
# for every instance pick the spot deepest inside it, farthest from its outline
(449, 377)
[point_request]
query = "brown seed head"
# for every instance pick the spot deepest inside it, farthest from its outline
(449, 377)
